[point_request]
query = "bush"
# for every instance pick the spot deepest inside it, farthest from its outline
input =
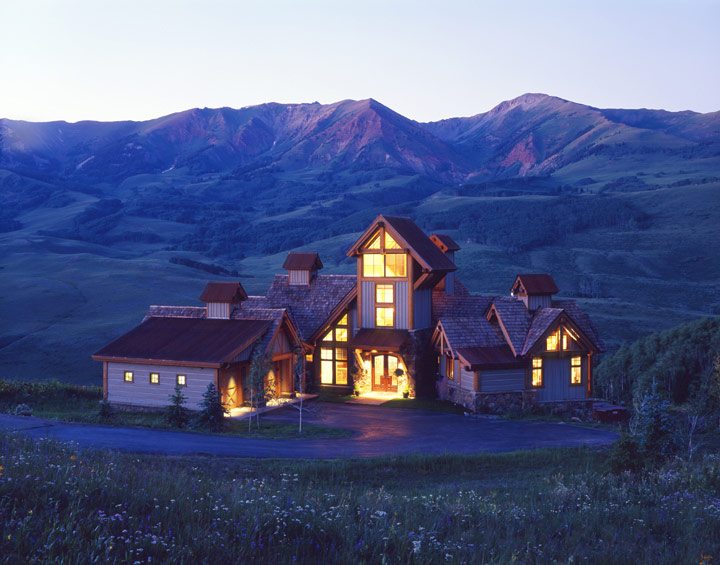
(213, 412)
(651, 425)
(105, 411)
(22, 410)
(176, 414)
(625, 455)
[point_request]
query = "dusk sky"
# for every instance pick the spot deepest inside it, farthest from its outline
(95, 59)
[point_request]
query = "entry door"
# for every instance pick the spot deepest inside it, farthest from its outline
(384, 377)
(283, 376)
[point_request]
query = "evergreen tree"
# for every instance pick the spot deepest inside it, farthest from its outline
(176, 414)
(213, 411)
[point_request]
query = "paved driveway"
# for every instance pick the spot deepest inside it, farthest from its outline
(378, 431)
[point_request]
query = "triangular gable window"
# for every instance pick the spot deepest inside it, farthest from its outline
(374, 242)
(390, 243)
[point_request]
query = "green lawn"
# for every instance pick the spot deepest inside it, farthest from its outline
(532, 507)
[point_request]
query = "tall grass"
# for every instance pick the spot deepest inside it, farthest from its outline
(60, 504)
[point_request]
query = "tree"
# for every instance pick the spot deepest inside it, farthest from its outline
(300, 384)
(176, 414)
(651, 424)
(259, 368)
(213, 412)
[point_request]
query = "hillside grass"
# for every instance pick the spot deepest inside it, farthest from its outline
(81, 404)
(58, 504)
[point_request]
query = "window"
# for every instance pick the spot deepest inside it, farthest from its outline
(128, 377)
(576, 370)
(333, 366)
(384, 317)
(450, 368)
(154, 378)
(374, 242)
(384, 294)
(537, 372)
(553, 341)
(395, 265)
(390, 243)
(182, 380)
(373, 265)
(339, 332)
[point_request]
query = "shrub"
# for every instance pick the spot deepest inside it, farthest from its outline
(105, 411)
(625, 455)
(651, 425)
(213, 412)
(176, 414)
(22, 410)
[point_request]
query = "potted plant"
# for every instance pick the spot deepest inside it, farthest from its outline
(356, 391)
(406, 393)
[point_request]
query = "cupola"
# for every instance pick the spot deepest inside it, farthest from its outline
(302, 267)
(535, 290)
(221, 297)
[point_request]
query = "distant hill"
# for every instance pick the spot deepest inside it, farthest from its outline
(99, 219)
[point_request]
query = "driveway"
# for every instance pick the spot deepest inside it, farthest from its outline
(378, 431)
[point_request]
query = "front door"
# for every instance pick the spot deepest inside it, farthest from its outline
(384, 377)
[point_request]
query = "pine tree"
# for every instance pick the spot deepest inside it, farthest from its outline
(213, 412)
(176, 413)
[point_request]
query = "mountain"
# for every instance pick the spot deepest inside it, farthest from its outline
(97, 220)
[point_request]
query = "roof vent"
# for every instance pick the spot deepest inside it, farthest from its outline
(535, 290)
(302, 268)
(220, 297)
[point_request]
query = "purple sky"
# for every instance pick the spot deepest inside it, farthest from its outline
(97, 59)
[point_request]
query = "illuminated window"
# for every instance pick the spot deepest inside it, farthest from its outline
(395, 265)
(374, 242)
(373, 265)
(128, 377)
(328, 336)
(575, 370)
(384, 293)
(341, 334)
(154, 378)
(450, 368)
(384, 316)
(308, 357)
(333, 366)
(537, 372)
(553, 341)
(343, 321)
(182, 380)
(390, 243)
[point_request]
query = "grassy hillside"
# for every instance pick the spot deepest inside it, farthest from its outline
(558, 505)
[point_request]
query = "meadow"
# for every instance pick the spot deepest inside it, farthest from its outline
(60, 504)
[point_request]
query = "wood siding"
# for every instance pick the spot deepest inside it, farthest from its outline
(299, 277)
(533, 302)
(556, 380)
(505, 380)
(219, 310)
(423, 308)
(402, 310)
(367, 300)
(467, 379)
(142, 393)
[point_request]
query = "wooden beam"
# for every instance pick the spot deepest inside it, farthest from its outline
(105, 380)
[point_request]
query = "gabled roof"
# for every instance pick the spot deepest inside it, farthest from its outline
(470, 332)
(185, 340)
(514, 321)
(296, 261)
(310, 306)
(542, 321)
(535, 284)
(410, 236)
(218, 291)
(444, 242)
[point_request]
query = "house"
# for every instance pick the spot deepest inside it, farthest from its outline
(402, 324)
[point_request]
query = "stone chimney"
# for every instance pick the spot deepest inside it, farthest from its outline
(302, 268)
(447, 245)
(534, 290)
(220, 298)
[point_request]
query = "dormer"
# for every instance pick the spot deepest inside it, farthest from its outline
(534, 290)
(221, 297)
(302, 268)
(447, 245)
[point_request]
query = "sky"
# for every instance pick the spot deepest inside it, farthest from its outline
(428, 60)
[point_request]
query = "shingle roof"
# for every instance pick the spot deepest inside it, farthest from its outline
(444, 242)
(473, 331)
(176, 312)
(186, 340)
(296, 261)
(489, 357)
(537, 283)
(311, 306)
(218, 291)
(542, 320)
(515, 318)
(420, 243)
(582, 320)
(461, 304)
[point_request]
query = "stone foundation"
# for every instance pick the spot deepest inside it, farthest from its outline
(520, 402)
